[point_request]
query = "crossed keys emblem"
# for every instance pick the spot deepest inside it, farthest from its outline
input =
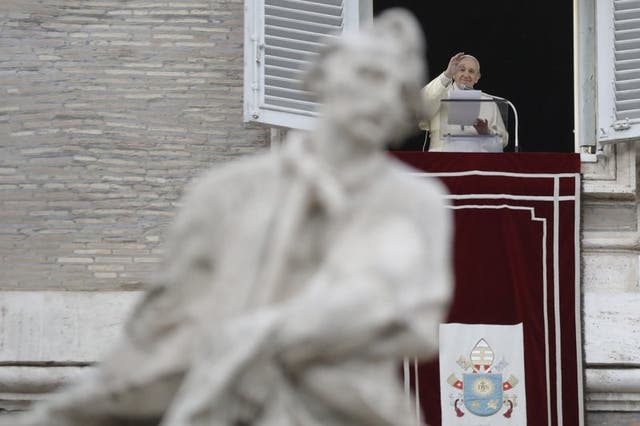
(482, 390)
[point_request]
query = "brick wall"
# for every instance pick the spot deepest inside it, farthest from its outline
(108, 109)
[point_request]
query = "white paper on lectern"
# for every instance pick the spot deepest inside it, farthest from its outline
(463, 110)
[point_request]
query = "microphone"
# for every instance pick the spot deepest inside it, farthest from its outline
(497, 98)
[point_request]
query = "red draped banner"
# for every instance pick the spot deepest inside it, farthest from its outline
(516, 260)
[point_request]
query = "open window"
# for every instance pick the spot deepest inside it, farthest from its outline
(281, 37)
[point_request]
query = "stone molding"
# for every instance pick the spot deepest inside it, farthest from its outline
(87, 323)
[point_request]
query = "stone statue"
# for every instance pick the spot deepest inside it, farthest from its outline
(294, 282)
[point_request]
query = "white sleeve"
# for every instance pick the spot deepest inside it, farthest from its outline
(433, 93)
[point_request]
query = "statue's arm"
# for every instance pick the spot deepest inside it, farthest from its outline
(387, 303)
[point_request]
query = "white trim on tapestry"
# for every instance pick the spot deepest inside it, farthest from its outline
(495, 173)
(547, 353)
(509, 197)
(577, 303)
(556, 293)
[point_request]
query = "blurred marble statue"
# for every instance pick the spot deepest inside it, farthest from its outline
(296, 281)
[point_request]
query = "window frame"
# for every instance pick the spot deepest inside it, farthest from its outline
(255, 109)
(609, 129)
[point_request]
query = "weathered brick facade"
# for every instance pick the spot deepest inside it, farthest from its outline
(108, 109)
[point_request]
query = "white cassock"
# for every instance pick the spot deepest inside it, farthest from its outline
(436, 113)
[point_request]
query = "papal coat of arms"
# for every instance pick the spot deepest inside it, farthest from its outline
(482, 390)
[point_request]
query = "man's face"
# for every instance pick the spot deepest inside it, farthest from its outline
(469, 73)
(364, 97)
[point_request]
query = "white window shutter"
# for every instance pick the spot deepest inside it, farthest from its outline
(618, 33)
(281, 38)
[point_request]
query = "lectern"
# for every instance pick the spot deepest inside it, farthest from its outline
(459, 114)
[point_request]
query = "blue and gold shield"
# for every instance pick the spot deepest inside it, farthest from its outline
(482, 393)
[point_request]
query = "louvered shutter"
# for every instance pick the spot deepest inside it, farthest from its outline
(618, 26)
(281, 38)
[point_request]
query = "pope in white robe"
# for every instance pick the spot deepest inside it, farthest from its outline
(463, 72)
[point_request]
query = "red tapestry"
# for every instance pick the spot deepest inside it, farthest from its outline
(516, 259)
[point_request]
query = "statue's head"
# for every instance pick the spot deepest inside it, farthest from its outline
(369, 81)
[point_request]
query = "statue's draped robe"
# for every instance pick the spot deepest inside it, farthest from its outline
(288, 296)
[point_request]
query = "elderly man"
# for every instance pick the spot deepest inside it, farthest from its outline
(294, 282)
(463, 72)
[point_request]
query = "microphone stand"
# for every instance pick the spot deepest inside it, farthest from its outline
(515, 116)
